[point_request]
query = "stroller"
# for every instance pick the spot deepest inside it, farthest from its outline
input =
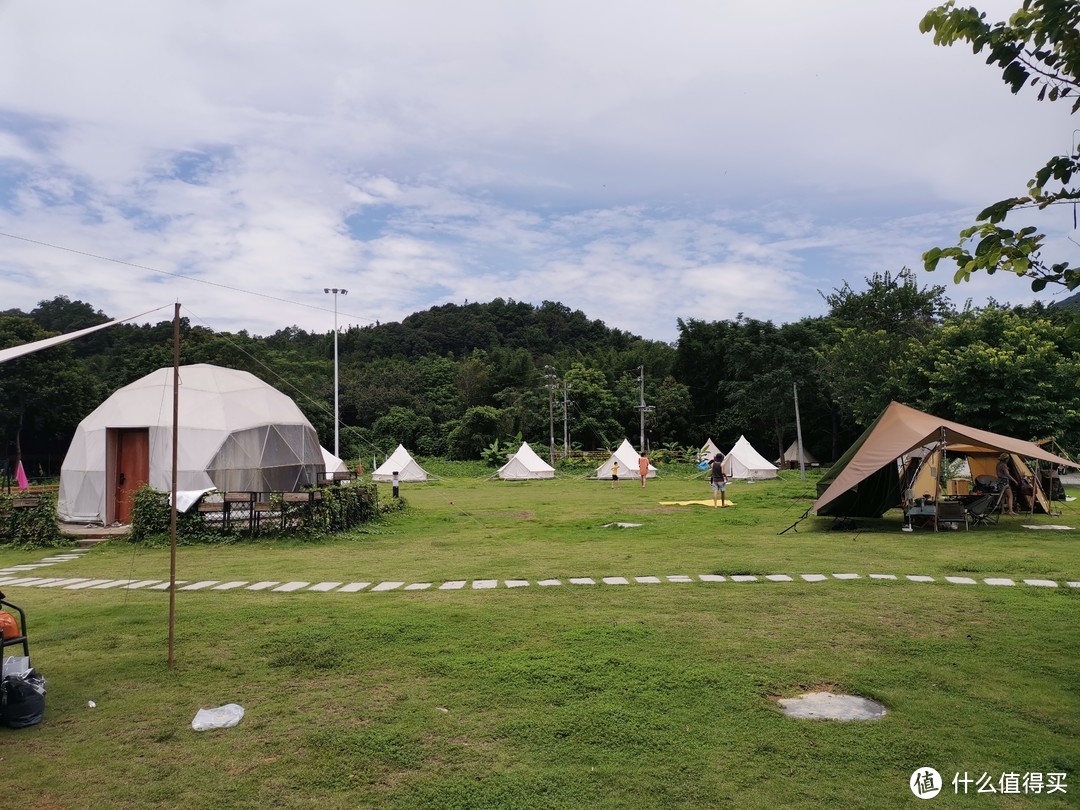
(22, 690)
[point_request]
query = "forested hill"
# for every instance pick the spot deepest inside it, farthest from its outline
(548, 330)
(457, 380)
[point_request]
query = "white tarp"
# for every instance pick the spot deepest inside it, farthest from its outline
(236, 433)
(628, 458)
(747, 463)
(46, 343)
(405, 466)
(525, 465)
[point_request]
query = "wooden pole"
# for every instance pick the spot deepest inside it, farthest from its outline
(172, 511)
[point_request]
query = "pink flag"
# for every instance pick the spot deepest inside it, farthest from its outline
(20, 476)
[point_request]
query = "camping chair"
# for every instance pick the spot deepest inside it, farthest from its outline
(985, 509)
(952, 513)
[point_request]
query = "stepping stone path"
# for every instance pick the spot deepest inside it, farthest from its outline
(17, 576)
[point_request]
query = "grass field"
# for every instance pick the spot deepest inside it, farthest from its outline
(571, 696)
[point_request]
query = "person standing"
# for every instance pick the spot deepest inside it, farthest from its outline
(615, 475)
(643, 469)
(1005, 482)
(718, 479)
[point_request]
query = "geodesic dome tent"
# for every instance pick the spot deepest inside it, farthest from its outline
(236, 433)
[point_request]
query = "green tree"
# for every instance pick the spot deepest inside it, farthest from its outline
(1038, 47)
(45, 393)
(478, 428)
(878, 332)
(594, 403)
(1004, 372)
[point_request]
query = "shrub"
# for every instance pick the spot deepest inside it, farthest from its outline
(31, 526)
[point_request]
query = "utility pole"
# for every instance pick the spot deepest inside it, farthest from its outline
(334, 291)
(798, 434)
(642, 408)
(565, 428)
(552, 380)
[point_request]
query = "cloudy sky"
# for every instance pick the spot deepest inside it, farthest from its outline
(636, 159)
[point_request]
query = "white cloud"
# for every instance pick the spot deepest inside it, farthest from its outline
(639, 161)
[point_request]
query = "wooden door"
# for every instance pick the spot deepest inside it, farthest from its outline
(132, 468)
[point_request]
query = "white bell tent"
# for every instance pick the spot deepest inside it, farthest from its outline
(745, 462)
(525, 465)
(236, 433)
(332, 464)
(709, 450)
(628, 458)
(403, 464)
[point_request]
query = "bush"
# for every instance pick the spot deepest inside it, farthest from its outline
(30, 526)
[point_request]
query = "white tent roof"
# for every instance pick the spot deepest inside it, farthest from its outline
(792, 454)
(236, 433)
(332, 463)
(628, 458)
(745, 462)
(405, 466)
(525, 465)
(709, 450)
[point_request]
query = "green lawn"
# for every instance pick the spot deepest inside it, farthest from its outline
(572, 696)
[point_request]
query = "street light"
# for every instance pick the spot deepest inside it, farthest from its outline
(335, 291)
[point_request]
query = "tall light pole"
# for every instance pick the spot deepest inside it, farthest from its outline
(335, 291)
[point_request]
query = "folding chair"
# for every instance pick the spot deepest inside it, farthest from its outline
(952, 513)
(985, 508)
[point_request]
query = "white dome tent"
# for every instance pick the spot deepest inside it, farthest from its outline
(744, 462)
(628, 459)
(236, 433)
(403, 464)
(525, 465)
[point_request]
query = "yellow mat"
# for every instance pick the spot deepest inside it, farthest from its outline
(696, 503)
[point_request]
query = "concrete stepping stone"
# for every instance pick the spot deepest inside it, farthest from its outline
(547, 583)
(353, 587)
(228, 586)
(60, 558)
(418, 586)
(961, 580)
(6, 580)
(324, 586)
(582, 581)
(517, 583)
(679, 578)
(452, 585)
(44, 583)
(90, 583)
(262, 586)
(1041, 583)
(484, 584)
(646, 580)
(142, 583)
(919, 578)
(883, 576)
(998, 581)
(116, 583)
(1072, 584)
(778, 578)
(711, 578)
(26, 582)
(164, 586)
(60, 583)
(615, 581)
(288, 587)
(198, 586)
(28, 567)
(846, 576)
(827, 706)
(814, 577)
(388, 586)
(743, 578)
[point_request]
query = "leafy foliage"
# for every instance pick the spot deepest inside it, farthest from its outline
(1038, 47)
(30, 526)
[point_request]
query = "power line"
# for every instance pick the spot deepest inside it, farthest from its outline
(178, 275)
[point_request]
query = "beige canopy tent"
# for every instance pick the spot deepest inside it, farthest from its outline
(865, 482)
(790, 458)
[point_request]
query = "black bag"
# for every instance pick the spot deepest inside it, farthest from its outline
(22, 699)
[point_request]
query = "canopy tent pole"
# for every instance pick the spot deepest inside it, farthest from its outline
(172, 511)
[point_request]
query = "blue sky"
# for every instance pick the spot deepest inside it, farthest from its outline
(639, 161)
